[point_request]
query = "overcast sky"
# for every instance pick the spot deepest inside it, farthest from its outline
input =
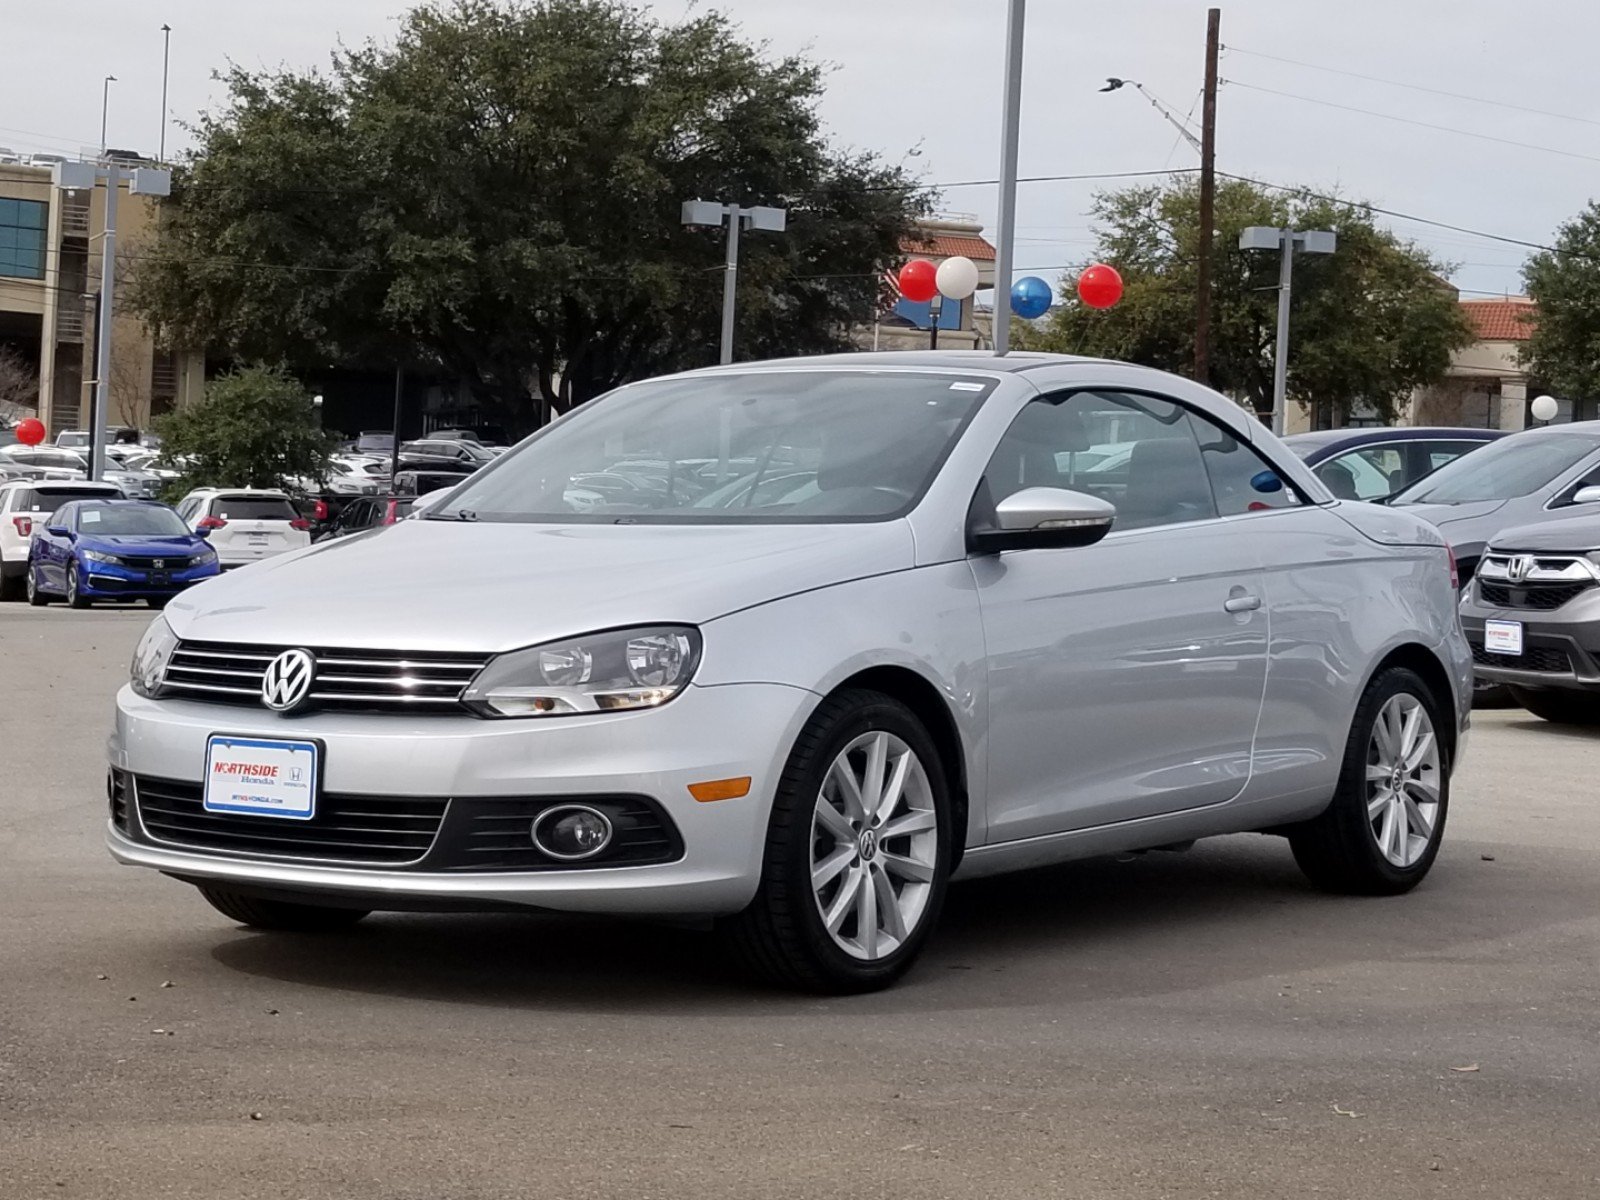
(926, 74)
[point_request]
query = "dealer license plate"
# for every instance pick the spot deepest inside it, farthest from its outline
(1502, 637)
(262, 777)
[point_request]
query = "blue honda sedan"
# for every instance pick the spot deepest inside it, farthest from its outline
(115, 550)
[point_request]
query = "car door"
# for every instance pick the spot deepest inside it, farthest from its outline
(1124, 678)
(55, 549)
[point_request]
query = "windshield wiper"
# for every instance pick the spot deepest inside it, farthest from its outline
(461, 514)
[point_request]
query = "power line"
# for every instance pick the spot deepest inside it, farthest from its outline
(1416, 87)
(1371, 112)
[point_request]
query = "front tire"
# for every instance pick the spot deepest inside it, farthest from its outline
(75, 597)
(1382, 831)
(280, 914)
(1559, 706)
(857, 852)
(36, 597)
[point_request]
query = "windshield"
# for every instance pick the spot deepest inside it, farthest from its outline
(48, 499)
(130, 520)
(1502, 470)
(767, 446)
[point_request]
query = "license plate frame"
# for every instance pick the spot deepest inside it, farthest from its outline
(289, 793)
(1503, 637)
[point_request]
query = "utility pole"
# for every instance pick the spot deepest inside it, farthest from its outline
(709, 213)
(1208, 203)
(1010, 122)
(394, 441)
(166, 52)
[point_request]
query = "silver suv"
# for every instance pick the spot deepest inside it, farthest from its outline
(835, 632)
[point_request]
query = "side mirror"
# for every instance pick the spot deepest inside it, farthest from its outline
(1044, 518)
(203, 533)
(58, 531)
(1586, 495)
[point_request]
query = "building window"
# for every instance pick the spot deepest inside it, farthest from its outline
(22, 224)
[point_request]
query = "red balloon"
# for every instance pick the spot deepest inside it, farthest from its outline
(30, 431)
(919, 280)
(1099, 286)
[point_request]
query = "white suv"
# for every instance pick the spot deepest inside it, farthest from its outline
(245, 525)
(24, 505)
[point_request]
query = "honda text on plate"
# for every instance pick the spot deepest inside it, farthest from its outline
(836, 632)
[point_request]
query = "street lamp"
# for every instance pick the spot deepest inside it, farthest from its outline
(142, 181)
(105, 107)
(1544, 408)
(1286, 241)
(166, 51)
(709, 213)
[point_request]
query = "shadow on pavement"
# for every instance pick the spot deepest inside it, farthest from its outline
(1231, 910)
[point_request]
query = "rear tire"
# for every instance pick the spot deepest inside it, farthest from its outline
(13, 587)
(280, 914)
(1382, 831)
(1559, 706)
(36, 597)
(831, 846)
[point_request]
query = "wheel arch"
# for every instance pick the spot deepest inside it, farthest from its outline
(925, 700)
(1425, 663)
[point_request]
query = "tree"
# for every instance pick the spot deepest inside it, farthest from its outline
(19, 385)
(1369, 323)
(496, 195)
(254, 428)
(1563, 348)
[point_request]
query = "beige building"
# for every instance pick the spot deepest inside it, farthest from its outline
(50, 252)
(906, 325)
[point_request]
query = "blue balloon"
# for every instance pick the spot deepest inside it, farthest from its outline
(1031, 297)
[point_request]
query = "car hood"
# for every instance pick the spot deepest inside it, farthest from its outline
(123, 543)
(1578, 535)
(1465, 526)
(450, 585)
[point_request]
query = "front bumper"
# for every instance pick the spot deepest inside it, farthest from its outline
(1561, 648)
(706, 733)
(111, 579)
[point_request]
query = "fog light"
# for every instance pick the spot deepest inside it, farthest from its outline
(571, 831)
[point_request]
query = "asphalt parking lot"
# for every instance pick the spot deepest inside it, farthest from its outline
(1186, 1025)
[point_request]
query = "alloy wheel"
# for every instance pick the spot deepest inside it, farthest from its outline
(1403, 776)
(72, 585)
(874, 846)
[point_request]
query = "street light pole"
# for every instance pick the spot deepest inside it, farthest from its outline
(105, 108)
(166, 52)
(1010, 122)
(1285, 241)
(710, 213)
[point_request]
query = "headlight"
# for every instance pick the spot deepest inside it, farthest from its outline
(96, 556)
(203, 555)
(150, 658)
(602, 672)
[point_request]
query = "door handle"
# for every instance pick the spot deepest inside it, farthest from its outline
(1239, 604)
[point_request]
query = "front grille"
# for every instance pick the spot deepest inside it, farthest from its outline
(406, 681)
(117, 795)
(375, 830)
(149, 562)
(1543, 597)
(1532, 658)
(411, 832)
(496, 835)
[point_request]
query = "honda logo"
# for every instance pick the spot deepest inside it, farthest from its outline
(158, 563)
(1518, 566)
(287, 682)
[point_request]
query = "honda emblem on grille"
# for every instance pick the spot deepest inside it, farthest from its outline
(158, 563)
(287, 682)
(1518, 567)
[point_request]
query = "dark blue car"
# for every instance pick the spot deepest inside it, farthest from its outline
(115, 550)
(1374, 464)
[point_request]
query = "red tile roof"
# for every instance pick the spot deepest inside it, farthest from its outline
(1501, 320)
(948, 245)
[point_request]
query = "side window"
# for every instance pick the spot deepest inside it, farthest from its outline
(1138, 452)
(1370, 473)
(1241, 480)
(1440, 453)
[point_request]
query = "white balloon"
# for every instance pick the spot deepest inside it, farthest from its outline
(1544, 408)
(957, 277)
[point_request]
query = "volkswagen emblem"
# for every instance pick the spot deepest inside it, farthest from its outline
(287, 682)
(1518, 567)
